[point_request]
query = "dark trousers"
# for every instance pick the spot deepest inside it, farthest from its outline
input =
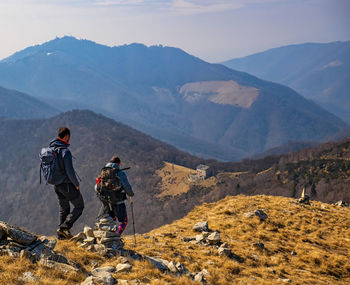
(67, 193)
(116, 211)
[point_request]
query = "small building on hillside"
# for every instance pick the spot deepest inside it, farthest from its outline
(201, 173)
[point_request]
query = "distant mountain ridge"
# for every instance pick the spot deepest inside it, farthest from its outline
(171, 95)
(318, 71)
(17, 105)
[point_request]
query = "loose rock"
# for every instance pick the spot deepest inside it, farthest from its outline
(27, 277)
(123, 267)
(201, 227)
(261, 215)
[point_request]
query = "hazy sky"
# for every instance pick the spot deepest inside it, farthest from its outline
(212, 30)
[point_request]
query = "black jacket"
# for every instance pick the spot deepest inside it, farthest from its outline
(68, 173)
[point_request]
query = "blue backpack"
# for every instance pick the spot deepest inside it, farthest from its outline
(49, 164)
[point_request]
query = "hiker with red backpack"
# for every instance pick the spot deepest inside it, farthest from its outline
(57, 167)
(112, 187)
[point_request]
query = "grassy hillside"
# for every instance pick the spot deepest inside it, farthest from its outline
(303, 244)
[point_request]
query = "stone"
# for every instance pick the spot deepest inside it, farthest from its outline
(106, 278)
(341, 204)
(223, 251)
(200, 238)
(102, 234)
(123, 259)
(88, 232)
(89, 281)
(205, 272)
(285, 280)
(248, 214)
(261, 215)
(324, 207)
(108, 240)
(159, 263)
(89, 240)
(97, 271)
(59, 266)
(214, 238)
(304, 200)
(188, 239)
(27, 255)
(199, 277)
(48, 242)
(17, 234)
(28, 276)
(172, 267)
(123, 267)
(181, 268)
(201, 227)
(293, 253)
(78, 237)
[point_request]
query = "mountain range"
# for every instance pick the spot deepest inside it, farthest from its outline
(96, 138)
(206, 109)
(318, 71)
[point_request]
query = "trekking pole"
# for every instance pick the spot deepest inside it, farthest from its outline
(133, 220)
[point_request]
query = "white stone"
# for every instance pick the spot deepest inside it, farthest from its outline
(88, 232)
(27, 277)
(123, 267)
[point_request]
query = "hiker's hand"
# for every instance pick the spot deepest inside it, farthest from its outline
(77, 188)
(130, 199)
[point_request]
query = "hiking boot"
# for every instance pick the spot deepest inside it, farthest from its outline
(64, 234)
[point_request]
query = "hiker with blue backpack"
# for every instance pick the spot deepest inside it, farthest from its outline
(111, 187)
(57, 167)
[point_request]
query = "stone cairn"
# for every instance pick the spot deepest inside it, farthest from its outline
(19, 243)
(104, 240)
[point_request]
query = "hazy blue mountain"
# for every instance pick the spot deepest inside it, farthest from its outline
(207, 109)
(17, 105)
(320, 72)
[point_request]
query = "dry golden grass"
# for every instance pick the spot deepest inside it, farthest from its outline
(174, 179)
(319, 234)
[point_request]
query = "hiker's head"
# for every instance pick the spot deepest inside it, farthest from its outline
(115, 159)
(64, 134)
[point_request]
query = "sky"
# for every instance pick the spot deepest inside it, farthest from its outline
(212, 30)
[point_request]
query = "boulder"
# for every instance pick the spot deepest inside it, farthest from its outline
(201, 227)
(17, 234)
(28, 276)
(123, 267)
(260, 214)
(159, 263)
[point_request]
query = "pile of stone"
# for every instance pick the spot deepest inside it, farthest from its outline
(304, 199)
(19, 243)
(103, 240)
(212, 239)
